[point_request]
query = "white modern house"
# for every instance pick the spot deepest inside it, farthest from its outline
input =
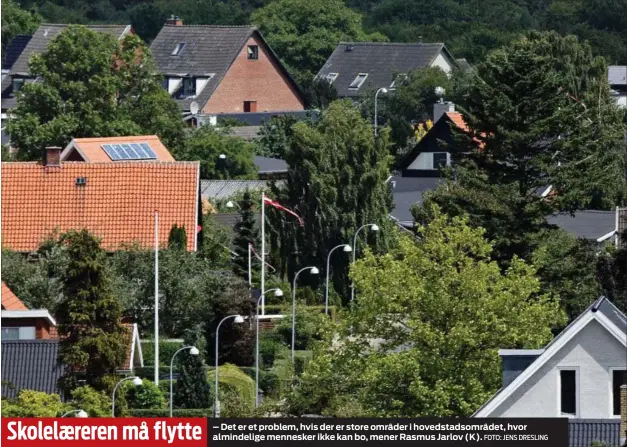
(578, 375)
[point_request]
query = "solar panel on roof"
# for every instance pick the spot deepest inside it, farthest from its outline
(133, 151)
(111, 152)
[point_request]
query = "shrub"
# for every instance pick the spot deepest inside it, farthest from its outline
(29, 403)
(166, 351)
(177, 412)
(95, 403)
(146, 396)
(232, 378)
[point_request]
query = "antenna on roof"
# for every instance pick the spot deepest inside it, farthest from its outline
(439, 92)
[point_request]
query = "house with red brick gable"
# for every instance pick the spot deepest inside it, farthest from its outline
(223, 69)
(116, 201)
(20, 323)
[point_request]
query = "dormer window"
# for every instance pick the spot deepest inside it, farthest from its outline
(177, 50)
(189, 87)
(253, 52)
(400, 79)
(359, 80)
(331, 77)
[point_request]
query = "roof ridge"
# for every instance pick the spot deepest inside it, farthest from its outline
(391, 43)
(210, 26)
(86, 24)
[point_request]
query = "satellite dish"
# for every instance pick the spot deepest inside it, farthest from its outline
(193, 107)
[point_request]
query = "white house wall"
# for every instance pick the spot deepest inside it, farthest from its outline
(423, 161)
(594, 351)
(443, 62)
(622, 100)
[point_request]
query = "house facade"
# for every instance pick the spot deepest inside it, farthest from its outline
(578, 375)
(617, 77)
(354, 67)
(223, 69)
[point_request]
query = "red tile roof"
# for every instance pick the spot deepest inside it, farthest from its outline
(92, 151)
(117, 201)
(458, 119)
(10, 301)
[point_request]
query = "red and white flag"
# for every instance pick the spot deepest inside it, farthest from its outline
(277, 205)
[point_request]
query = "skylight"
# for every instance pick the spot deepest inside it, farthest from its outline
(177, 50)
(359, 80)
(400, 78)
(331, 77)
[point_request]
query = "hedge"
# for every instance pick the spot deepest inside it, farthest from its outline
(177, 412)
(233, 378)
(280, 308)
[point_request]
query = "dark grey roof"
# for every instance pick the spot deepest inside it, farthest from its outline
(617, 74)
(38, 44)
(463, 65)
(226, 219)
(226, 189)
(245, 132)
(607, 308)
(209, 51)
(4, 136)
(267, 165)
(14, 50)
(588, 224)
(407, 191)
(31, 365)
(48, 31)
(379, 60)
(583, 432)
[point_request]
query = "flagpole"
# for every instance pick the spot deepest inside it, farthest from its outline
(250, 266)
(157, 298)
(263, 253)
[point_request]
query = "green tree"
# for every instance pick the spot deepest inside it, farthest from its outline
(246, 232)
(177, 238)
(274, 136)
(146, 396)
(30, 404)
(336, 183)
(305, 33)
(612, 274)
(236, 340)
(541, 115)
(92, 336)
(16, 21)
(424, 334)
(94, 403)
(208, 144)
(92, 85)
(192, 389)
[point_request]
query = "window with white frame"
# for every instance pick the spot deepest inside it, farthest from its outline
(178, 48)
(331, 77)
(568, 391)
(398, 80)
(618, 378)
(359, 80)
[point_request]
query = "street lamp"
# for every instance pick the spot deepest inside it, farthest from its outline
(236, 319)
(376, 96)
(347, 248)
(79, 413)
(314, 271)
(277, 292)
(193, 350)
(373, 227)
(136, 381)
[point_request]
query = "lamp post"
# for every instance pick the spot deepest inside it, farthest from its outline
(236, 319)
(373, 227)
(376, 97)
(79, 413)
(314, 271)
(277, 292)
(347, 248)
(193, 350)
(136, 381)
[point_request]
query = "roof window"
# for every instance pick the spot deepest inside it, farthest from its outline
(177, 50)
(331, 77)
(400, 78)
(359, 80)
(253, 52)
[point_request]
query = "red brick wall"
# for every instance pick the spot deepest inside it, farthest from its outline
(258, 80)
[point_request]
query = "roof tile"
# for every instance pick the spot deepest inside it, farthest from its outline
(117, 202)
(92, 150)
(10, 301)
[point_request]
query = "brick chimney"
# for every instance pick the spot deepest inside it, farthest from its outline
(623, 415)
(175, 21)
(52, 156)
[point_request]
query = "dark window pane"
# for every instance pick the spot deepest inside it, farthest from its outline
(439, 160)
(253, 52)
(568, 391)
(619, 378)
